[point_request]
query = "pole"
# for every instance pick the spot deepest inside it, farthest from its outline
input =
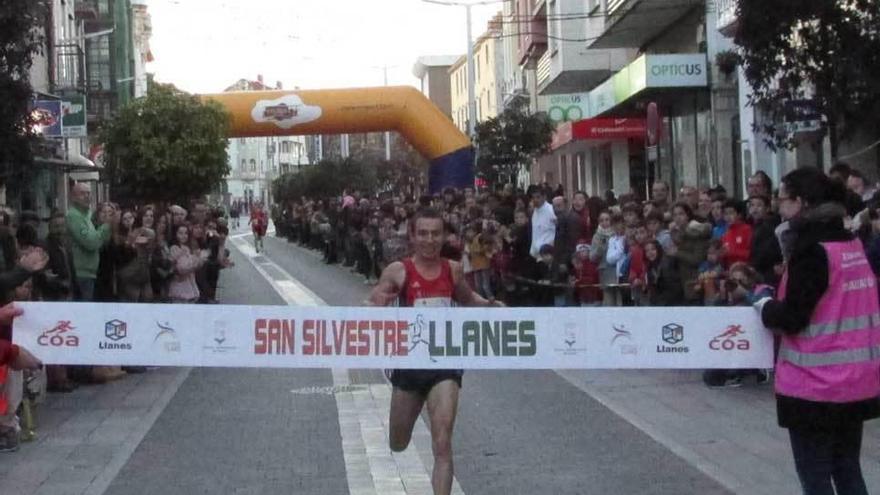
(387, 133)
(472, 104)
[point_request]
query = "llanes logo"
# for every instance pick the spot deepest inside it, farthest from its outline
(115, 331)
(61, 335)
(622, 339)
(672, 334)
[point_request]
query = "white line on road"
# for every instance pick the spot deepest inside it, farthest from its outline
(371, 468)
(101, 482)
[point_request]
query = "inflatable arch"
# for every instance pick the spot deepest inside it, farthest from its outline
(339, 111)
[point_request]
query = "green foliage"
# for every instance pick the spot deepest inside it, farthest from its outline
(327, 178)
(168, 146)
(20, 40)
(827, 50)
(511, 140)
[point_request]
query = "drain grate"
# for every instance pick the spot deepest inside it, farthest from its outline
(328, 390)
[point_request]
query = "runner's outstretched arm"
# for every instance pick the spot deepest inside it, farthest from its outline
(389, 285)
(466, 296)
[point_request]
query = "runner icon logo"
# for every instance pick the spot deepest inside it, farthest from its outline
(622, 334)
(167, 336)
(58, 335)
(672, 333)
(730, 340)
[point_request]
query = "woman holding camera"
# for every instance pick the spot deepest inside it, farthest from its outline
(828, 316)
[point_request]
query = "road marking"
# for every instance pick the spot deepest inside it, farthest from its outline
(707, 467)
(120, 458)
(371, 468)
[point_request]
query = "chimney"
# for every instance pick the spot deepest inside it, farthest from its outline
(260, 78)
(278, 85)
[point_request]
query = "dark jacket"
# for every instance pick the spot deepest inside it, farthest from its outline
(568, 233)
(765, 253)
(807, 282)
(664, 283)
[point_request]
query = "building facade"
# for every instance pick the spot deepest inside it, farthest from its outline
(488, 78)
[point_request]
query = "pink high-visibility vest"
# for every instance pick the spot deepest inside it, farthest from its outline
(837, 357)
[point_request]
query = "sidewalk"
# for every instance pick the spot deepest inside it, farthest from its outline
(85, 437)
(730, 434)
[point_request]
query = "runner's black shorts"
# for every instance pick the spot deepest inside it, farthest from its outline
(422, 381)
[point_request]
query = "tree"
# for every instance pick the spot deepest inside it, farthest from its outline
(827, 51)
(511, 140)
(327, 178)
(405, 173)
(20, 39)
(167, 146)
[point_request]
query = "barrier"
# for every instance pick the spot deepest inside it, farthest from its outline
(339, 111)
(368, 337)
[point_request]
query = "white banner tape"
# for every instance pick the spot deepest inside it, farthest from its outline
(368, 337)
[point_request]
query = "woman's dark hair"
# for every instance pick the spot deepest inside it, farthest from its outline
(659, 248)
(768, 182)
(26, 235)
(813, 187)
(686, 208)
(189, 236)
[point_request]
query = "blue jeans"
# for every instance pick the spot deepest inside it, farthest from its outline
(825, 456)
(86, 289)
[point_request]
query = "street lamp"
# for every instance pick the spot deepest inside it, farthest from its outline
(472, 103)
(387, 134)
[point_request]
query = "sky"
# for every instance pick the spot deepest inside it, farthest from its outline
(204, 46)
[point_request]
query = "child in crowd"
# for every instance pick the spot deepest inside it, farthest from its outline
(545, 275)
(658, 229)
(615, 259)
(585, 277)
(479, 253)
(737, 240)
(742, 288)
(710, 272)
(664, 281)
(638, 268)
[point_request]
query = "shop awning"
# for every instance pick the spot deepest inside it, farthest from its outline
(633, 23)
(597, 129)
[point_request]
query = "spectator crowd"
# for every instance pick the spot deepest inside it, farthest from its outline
(141, 253)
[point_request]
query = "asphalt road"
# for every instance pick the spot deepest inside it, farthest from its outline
(235, 431)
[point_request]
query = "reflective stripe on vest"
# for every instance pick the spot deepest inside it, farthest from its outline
(810, 360)
(866, 322)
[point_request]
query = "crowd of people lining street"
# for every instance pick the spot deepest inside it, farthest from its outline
(142, 253)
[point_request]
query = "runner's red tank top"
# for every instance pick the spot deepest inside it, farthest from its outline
(419, 291)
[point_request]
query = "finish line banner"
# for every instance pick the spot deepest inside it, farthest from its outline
(370, 337)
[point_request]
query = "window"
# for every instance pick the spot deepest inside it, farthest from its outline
(253, 165)
(243, 165)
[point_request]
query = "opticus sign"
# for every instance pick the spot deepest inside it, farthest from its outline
(679, 70)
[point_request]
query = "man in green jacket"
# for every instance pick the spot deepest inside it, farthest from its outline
(87, 239)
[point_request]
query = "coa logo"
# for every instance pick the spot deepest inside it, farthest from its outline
(672, 334)
(115, 330)
(730, 340)
(59, 335)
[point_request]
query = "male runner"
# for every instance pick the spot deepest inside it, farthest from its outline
(259, 222)
(426, 279)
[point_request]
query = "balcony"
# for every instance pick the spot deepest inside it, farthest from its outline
(727, 18)
(68, 70)
(87, 10)
(542, 71)
(633, 23)
(532, 29)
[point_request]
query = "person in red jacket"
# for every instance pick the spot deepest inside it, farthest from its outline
(12, 355)
(736, 243)
(638, 266)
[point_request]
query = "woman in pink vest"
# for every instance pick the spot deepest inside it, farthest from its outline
(828, 317)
